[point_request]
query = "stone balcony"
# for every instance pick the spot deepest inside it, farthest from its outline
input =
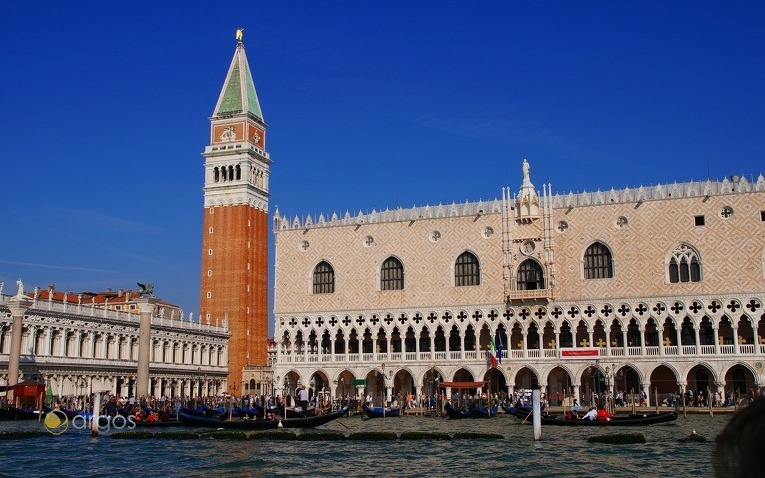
(545, 355)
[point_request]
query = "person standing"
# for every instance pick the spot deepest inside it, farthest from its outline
(303, 399)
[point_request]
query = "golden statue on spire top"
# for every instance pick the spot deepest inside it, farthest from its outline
(239, 34)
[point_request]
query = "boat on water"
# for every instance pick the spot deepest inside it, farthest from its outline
(381, 412)
(456, 413)
(236, 423)
(14, 413)
(480, 411)
(473, 411)
(167, 422)
(617, 421)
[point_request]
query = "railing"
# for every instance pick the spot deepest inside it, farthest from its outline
(25, 359)
(99, 312)
(472, 355)
(529, 294)
(727, 349)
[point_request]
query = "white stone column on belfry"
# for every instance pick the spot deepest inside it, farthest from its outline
(18, 305)
(146, 306)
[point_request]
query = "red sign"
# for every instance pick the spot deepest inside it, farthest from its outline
(575, 353)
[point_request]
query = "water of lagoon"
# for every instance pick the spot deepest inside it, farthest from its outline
(563, 451)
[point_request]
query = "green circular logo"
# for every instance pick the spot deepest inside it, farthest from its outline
(56, 422)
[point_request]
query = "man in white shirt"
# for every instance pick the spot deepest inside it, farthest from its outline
(303, 399)
(591, 415)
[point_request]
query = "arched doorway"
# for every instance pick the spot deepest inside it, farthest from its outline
(664, 386)
(700, 382)
(526, 379)
(496, 383)
(559, 385)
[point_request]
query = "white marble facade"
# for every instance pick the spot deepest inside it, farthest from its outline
(656, 289)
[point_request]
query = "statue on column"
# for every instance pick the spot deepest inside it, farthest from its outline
(20, 292)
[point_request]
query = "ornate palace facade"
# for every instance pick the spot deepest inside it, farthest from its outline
(88, 342)
(656, 289)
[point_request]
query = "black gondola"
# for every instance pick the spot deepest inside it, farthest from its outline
(380, 412)
(259, 423)
(618, 421)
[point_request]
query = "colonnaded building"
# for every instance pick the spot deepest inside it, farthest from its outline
(656, 289)
(81, 343)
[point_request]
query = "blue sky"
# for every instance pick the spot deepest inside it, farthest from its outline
(105, 107)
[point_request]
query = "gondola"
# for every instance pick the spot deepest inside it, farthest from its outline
(169, 422)
(14, 413)
(480, 411)
(456, 413)
(618, 421)
(259, 423)
(380, 412)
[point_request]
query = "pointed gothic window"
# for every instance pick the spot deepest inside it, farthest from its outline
(323, 278)
(392, 275)
(467, 271)
(598, 263)
(531, 276)
(684, 265)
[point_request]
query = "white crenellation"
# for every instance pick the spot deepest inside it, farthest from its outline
(566, 200)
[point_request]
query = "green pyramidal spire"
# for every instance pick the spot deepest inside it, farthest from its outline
(238, 93)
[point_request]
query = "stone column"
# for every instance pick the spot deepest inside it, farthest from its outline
(679, 339)
(647, 391)
(144, 349)
(716, 334)
(18, 305)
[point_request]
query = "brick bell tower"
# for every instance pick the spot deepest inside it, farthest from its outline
(235, 225)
